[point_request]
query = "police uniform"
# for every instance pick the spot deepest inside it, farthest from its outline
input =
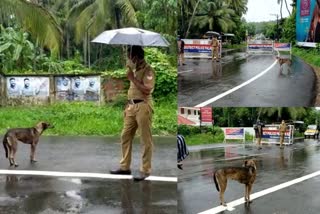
(138, 114)
(282, 131)
(259, 132)
(215, 48)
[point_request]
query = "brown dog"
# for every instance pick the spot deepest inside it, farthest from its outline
(283, 61)
(245, 175)
(25, 135)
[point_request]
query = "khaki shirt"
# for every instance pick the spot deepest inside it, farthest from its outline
(282, 128)
(145, 74)
(214, 43)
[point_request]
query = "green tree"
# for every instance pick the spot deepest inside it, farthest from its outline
(215, 15)
(289, 28)
(36, 20)
(16, 51)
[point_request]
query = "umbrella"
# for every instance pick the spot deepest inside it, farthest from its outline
(131, 36)
(212, 33)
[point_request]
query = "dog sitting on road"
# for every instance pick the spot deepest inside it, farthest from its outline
(245, 175)
(24, 135)
(284, 63)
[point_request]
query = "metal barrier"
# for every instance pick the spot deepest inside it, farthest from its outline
(199, 48)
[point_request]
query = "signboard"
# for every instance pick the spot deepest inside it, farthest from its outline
(251, 47)
(234, 134)
(282, 47)
(206, 114)
(199, 48)
(271, 134)
(28, 86)
(307, 24)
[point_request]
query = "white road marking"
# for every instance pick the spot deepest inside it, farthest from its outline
(237, 87)
(260, 194)
(83, 175)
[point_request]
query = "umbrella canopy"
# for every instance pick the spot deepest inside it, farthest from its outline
(131, 36)
(228, 34)
(212, 33)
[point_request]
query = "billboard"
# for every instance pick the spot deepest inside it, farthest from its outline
(308, 22)
(78, 88)
(28, 86)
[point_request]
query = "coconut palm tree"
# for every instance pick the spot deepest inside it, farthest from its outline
(95, 16)
(281, 4)
(33, 18)
(239, 6)
(215, 15)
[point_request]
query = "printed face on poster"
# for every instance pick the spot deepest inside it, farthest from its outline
(78, 88)
(28, 86)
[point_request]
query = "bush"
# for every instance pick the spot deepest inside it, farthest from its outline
(166, 74)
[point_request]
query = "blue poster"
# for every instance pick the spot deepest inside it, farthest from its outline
(308, 21)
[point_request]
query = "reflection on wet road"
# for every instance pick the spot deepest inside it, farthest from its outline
(25, 194)
(201, 80)
(275, 166)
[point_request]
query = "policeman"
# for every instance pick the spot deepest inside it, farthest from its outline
(138, 113)
(181, 51)
(282, 130)
(215, 48)
(258, 127)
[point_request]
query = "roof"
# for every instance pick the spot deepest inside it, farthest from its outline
(184, 121)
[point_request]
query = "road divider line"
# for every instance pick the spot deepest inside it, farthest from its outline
(237, 87)
(260, 194)
(82, 175)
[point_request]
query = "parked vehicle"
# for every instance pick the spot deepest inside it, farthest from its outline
(312, 131)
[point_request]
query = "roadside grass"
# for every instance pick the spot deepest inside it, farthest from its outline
(85, 118)
(310, 55)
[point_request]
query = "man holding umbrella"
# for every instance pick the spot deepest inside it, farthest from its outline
(138, 113)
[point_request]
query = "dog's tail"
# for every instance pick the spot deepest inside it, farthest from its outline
(5, 146)
(215, 181)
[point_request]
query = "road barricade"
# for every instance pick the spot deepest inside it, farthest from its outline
(199, 48)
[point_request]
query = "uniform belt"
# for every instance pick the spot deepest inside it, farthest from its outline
(133, 101)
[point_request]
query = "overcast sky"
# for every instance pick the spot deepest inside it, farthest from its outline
(260, 10)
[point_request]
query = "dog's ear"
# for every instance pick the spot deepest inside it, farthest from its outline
(245, 163)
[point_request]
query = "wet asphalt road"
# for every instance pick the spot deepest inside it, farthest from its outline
(39, 194)
(202, 79)
(274, 167)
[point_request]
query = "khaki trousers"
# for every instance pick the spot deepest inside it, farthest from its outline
(137, 116)
(281, 138)
(215, 53)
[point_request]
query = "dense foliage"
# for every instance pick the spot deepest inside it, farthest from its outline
(59, 31)
(197, 17)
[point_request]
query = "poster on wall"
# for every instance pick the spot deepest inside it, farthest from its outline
(28, 86)
(308, 22)
(78, 88)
